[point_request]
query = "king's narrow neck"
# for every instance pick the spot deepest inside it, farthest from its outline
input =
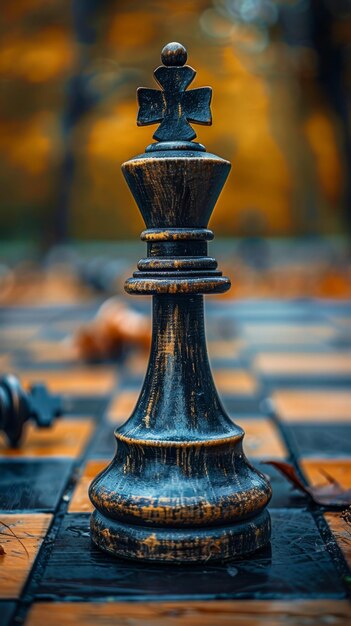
(178, 399)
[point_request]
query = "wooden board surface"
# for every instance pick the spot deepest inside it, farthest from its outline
(286, 383)
(20, 539)
(192, 614)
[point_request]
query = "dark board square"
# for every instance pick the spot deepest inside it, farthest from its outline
(94, 406)
(7, 610)
(242, 406)
(251, 350)
(104, 443)
(29, 315)
(304, 380)
(81, 312)
(341, 343)
(32, 485)
(266, 310)
(50, 314)
(295, 565)
(322, 440)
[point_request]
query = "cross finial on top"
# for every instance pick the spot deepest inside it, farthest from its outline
(174, 107)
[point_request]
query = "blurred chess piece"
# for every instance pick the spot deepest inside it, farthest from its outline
(115, 329)
(18, 406)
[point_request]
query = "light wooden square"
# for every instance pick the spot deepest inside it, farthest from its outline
(235, 382)
(20, 550)
(122, 405)
(303, 364)
(317, 470)
(192, 613)
(296, 405)
(84, 381)
(80, 502)
(67, 437)
(288, 333)
(262, 439)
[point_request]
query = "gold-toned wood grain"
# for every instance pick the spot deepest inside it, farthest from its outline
(332, 364)
(78, 380)
(296, 405)
(262, 438)
(80, 502)
(228, 381)
(67, 437)
(317, 470)
(213, 613)
(229, 349)
(20, 551)
(341, 529)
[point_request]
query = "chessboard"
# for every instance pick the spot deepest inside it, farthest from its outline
(283, 371)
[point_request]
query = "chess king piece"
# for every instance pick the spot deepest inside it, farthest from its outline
(18, 406)
(179, 488)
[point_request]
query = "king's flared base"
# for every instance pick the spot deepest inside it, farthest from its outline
(187, 545)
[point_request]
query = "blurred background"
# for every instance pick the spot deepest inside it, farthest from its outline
(281, 74)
